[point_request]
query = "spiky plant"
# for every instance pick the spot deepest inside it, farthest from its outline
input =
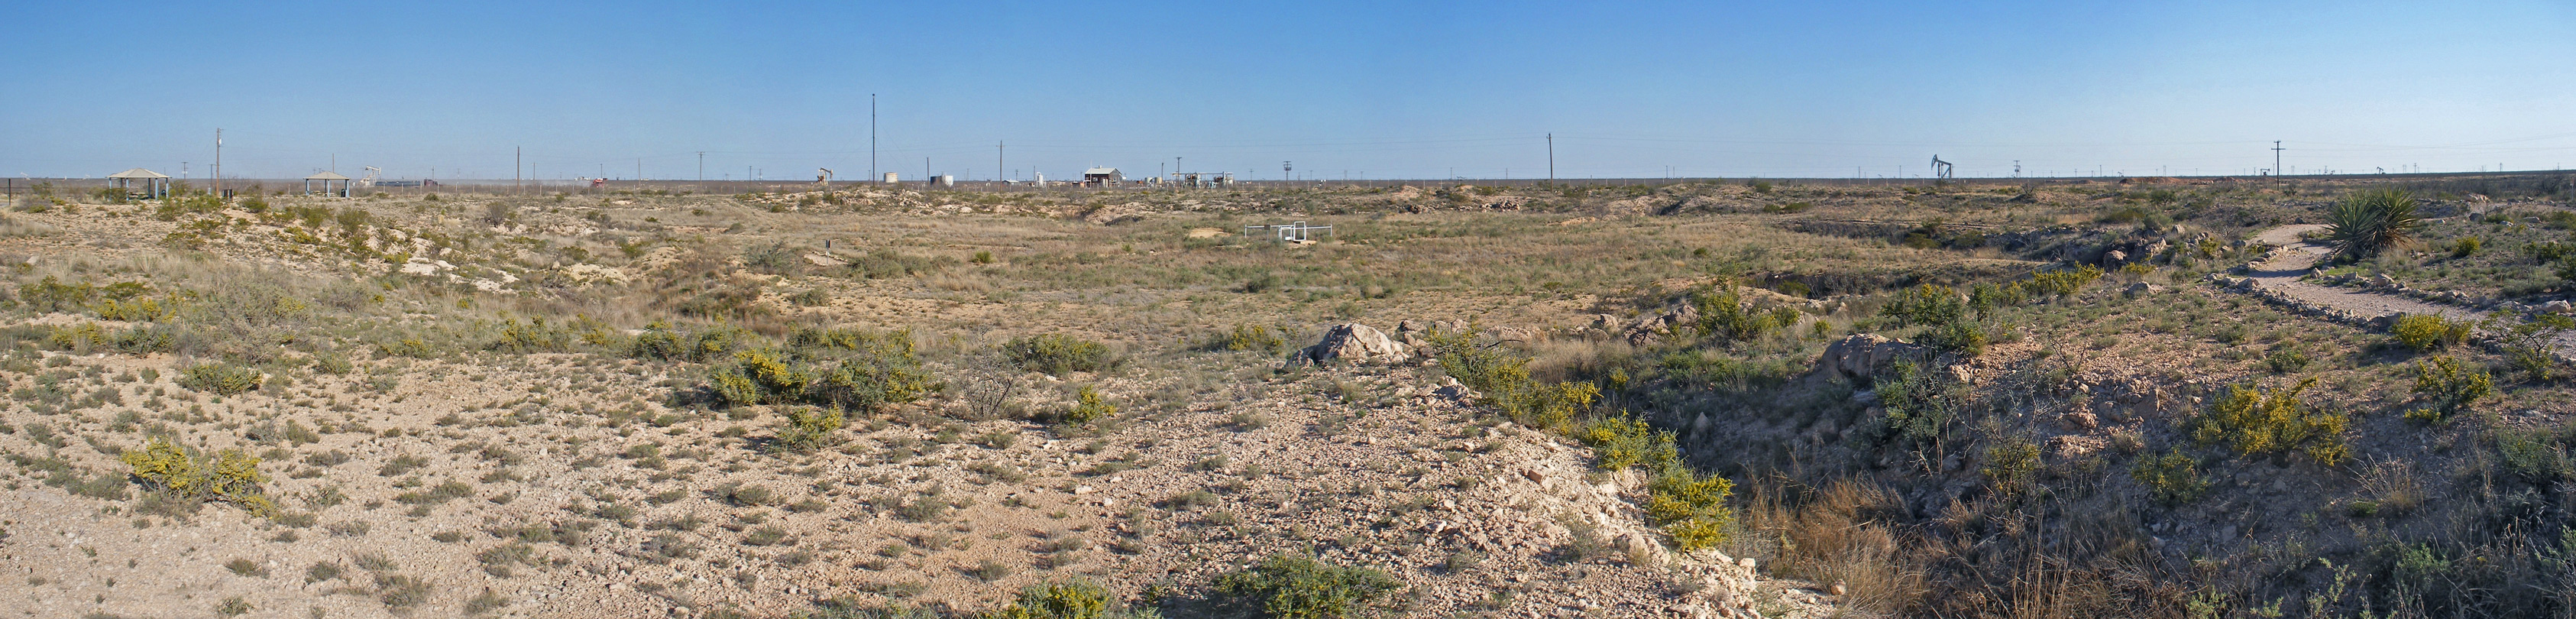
(2371, 220)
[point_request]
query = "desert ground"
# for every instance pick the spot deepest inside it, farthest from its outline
(2113, 397)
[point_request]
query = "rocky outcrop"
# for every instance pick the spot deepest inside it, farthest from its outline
(1862, 356)
(1353, 343)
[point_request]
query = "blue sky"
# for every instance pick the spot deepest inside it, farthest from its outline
(1371, 90)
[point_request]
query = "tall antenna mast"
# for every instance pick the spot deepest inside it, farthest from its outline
(219, 162)
(872, 137)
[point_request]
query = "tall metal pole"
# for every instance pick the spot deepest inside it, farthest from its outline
(702, 165)
(515, 159)
(2276, 162)
(872, 138)
(219, 162)
(1551, 157)
(997, 160)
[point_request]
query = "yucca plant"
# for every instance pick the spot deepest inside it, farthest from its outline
(2371, 220)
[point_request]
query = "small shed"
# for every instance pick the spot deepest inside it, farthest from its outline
(1102, 176)
(152, 185)
(327, 178)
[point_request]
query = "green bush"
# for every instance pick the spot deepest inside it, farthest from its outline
(2285, 361)
(1058, 354)
(2424, 332)
(2529, 345)
(808, 429)
(1286, 586)
(865, 371)
(2173, 478)
(2533, 454)
(1254, 338)
(1505, 381)
(660, 342)
(1623, 441)
(51, 295)
(2061, 283)
(1691, 508)
(1088, 407)
(2257, 422)
(1724, 314)
(2371, 220)
(2012, 466)
(1927, 305)
(219, 378)
(231, 476)
(1072, 599)
(2464, 247)
(2448, 388)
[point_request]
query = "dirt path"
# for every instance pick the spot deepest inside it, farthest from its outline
(2280, 275)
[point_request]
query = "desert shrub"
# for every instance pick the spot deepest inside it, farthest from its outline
(1058, 354)
(1985, 297)
(1962, 337)
(1071, 599)
(230, 476)
(872, 371)
(1926, 305)
(1691, 508)
(51, 295)
(1088, 407)
(2286, 361)
(2367, 221)
(774, 258)
(1286, 586)
(136, 309)
(2529, 345)
(888, 264)
(2173, 478)
(1919, 404)
(2424, 332)
(660, 342)
(219, 378)
(1505, 381)
(2258, 422)
(2012, 466)
(1623, 441)
(1254, 338)
(808, 429)
(2534, 454)
(2447, 388)
(536, 335)
(2465, 246)
(1723, 314)
(2064, 282)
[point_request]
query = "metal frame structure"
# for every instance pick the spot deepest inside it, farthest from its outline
(1293, 232)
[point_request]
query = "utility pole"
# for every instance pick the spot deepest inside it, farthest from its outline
(1284, 167)
(1551, 157)
(2276, 162)
(639, 168)
(702, 165)
(2016, 168)
(515, 159)
(219, 162)
(997, 160)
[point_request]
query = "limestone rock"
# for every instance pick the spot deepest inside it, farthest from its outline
(1354, 343)
(1861, 356)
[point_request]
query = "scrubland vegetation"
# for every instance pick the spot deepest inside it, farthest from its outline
(1930, 400)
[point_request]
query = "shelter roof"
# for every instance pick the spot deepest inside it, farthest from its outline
(326, 176)
(138, 173)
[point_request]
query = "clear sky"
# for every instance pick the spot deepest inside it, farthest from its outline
(1368, 89)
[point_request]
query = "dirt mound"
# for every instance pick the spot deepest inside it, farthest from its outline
(1354, 343)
